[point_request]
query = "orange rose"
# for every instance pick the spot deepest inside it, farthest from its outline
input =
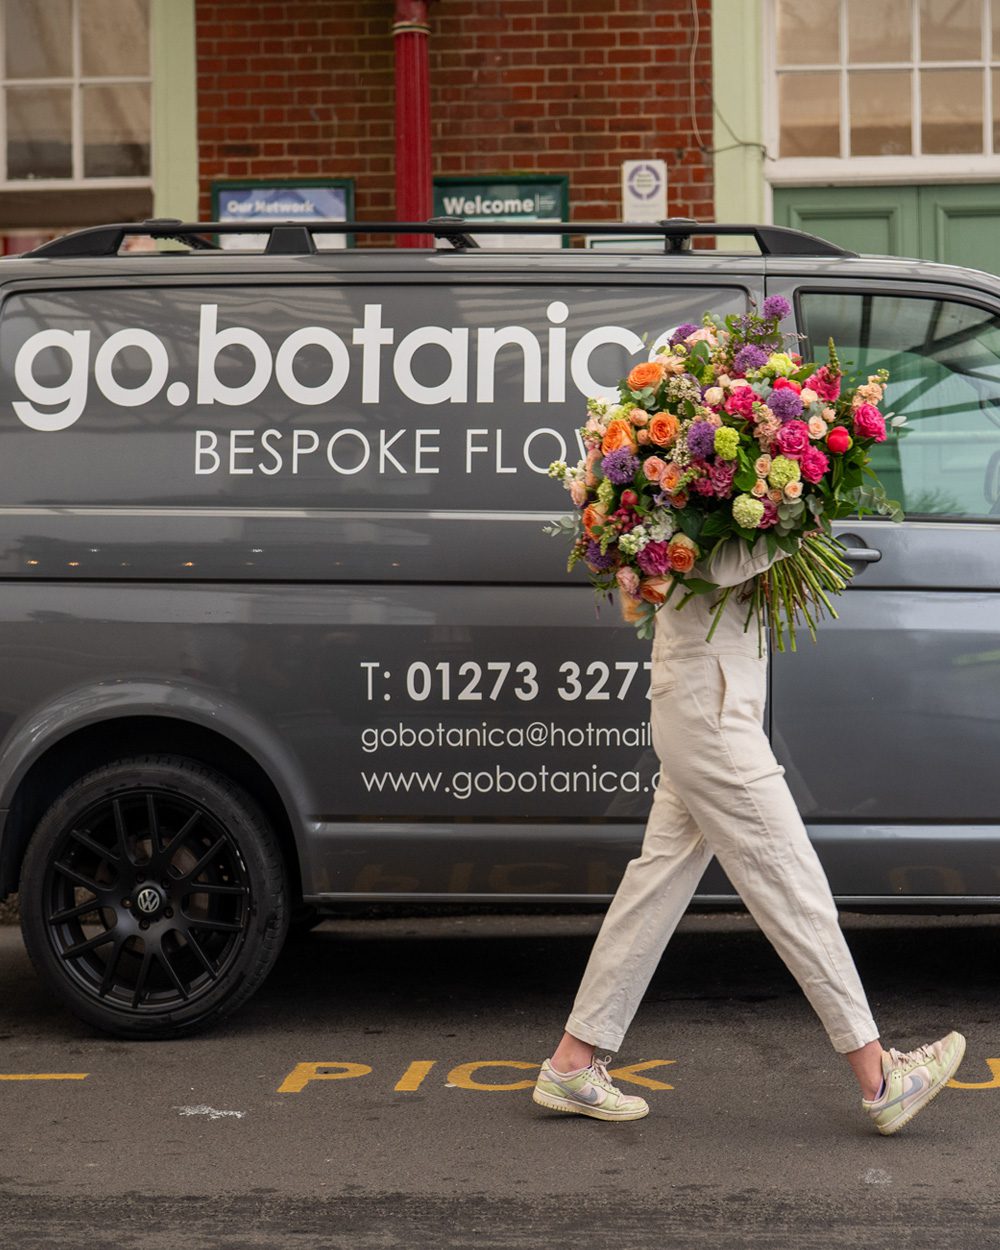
(642, 436)
(653, 468)
(619, 434)
(683, 554)
(680, 500)
(654, 589)
(649, 373)
(670, 476)
(593, 515)
(663, 429)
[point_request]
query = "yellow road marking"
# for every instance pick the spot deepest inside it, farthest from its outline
(629, 1073)
(43, 1076)
(463, 1078)
(414, 1075)
(300, 1076)
(994, 1067)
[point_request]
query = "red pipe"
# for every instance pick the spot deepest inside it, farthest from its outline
(414, 195)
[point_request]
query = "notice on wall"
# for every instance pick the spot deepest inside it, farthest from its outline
(271, 202)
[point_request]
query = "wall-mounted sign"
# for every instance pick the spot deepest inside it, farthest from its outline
(517, 198)
(325, 199)
(644, 190)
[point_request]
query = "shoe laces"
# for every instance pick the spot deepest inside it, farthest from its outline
(923, 1054)
(600, 1075)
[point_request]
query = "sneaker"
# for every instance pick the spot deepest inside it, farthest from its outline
(588, 1092)
(912, 1079)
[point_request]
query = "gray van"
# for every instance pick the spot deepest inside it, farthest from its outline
(280, 625)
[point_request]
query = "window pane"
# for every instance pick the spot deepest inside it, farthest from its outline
(944, 365)
(808, 32)
(995, 4)
(116, 131)
(880, 113)
(879, 30)
(39, 125)
(952, 110)
(37, 38)
(951, 30)
(996, 109)
(810, 114)
(114, 38)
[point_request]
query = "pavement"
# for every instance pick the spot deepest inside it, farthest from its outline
(375, 1093)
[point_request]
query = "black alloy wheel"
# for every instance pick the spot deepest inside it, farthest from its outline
(153, 897)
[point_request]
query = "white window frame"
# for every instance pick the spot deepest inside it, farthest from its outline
(875, 170)
(76, 83)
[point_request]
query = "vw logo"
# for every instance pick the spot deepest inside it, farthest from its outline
(148, 901)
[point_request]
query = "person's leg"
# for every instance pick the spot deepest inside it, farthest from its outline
(735, 790)
(650, 900)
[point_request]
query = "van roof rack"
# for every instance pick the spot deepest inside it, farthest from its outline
(288, 238)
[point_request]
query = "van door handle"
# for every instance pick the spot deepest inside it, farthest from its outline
(861, 554)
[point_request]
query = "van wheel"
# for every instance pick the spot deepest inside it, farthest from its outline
(153, 897)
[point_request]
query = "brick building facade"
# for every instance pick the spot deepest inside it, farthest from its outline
(304, 88)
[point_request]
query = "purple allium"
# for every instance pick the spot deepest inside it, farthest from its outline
(620, 466)
(701, 440)
(601, 561)
(654, 559)
(776, 306)
(785, 404)
(681, 333)
(749, 357)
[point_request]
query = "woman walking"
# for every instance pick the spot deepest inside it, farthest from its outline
(721, 792)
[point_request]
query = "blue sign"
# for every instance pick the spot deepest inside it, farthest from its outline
(323, 200)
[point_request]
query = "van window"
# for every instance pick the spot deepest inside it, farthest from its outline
(944, 360)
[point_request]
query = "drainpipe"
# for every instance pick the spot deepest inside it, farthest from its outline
(414, 198)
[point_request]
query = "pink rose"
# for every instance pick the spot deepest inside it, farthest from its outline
(721, 475)
(793, 438)
(817, 427)
(759, 488)
(786, 384)
(654, 559)
(703, 486)
(578, 493)
(838, 440)
(813, 464)
(653, 468)
(628, 581)
(740, 402)
(869, 423)
(825, 384)
(770, 516)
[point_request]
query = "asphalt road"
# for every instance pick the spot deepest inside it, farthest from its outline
(240, 1138)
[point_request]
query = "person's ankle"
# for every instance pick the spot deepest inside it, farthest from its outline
(571, 1061)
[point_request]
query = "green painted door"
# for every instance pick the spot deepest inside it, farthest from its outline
(955, 224)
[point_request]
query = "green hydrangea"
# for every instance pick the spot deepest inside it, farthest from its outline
(779, 365)
(605, 494)
(747, 511)
(727, 442)
(783, 471)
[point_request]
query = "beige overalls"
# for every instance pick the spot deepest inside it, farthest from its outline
(721, 792)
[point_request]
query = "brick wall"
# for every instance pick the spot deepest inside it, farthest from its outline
(305, 88)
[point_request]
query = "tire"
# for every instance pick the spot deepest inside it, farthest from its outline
(154, 898)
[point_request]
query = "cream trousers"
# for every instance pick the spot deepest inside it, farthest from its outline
(721, 792)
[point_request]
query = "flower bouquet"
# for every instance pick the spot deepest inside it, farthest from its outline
(725, 436)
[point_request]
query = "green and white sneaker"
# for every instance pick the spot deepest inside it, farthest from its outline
(912, 1079)
(587, 1092)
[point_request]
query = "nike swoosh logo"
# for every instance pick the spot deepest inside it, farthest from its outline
(588, 1093)
(915, 1085)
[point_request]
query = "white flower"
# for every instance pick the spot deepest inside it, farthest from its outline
(817, 427)
(808, 396)
(662, 526)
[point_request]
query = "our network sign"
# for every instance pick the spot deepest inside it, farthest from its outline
(263, 202)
